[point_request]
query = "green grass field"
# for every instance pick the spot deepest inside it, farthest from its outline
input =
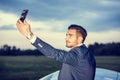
(33, 67)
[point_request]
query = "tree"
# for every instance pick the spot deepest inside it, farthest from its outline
(108, 49)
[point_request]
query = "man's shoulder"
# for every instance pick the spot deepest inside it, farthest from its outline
(80, 49)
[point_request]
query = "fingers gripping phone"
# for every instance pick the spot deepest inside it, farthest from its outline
(23, 15)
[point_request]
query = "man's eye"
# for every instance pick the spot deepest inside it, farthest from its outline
(70, 35)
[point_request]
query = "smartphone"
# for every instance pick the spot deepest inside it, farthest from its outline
(23, 15)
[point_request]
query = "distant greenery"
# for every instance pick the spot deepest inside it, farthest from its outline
(108, 49)
(7, 50)
(36, 67)
(16, 66)
(26, 67)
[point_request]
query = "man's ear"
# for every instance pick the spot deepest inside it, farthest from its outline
(80, 39)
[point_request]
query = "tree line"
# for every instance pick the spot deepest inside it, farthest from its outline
(108, 49)
(98, 49)
(7, 50)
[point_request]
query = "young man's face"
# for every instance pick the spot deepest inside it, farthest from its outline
(72, 38)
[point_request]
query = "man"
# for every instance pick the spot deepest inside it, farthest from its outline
(78, 63)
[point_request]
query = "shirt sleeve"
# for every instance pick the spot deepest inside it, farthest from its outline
(33, 39)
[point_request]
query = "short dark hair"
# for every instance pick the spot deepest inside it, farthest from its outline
(79, 29)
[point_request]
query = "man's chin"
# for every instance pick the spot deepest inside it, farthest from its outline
(68, 46)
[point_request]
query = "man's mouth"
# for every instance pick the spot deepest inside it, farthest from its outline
(67, 42)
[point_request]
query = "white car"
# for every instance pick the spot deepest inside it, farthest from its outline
(101, 74)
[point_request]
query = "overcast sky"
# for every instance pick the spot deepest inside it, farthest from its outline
(49, 20)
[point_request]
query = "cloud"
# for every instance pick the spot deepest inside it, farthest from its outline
(7, 19)
(57, 15)
(56, 39)
(8, 22)
(49, 20)
(8, 27)
(103, 37)
(51, 25)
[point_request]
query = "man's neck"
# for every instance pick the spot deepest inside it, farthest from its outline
(80, 44)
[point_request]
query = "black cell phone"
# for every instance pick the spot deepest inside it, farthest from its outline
(23, 15)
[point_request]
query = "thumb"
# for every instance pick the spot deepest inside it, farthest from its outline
(25, 22)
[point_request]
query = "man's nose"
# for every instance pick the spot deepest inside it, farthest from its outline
(66, 38)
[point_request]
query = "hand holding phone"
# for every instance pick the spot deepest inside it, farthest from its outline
(23, 15)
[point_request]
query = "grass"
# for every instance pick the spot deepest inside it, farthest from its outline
(109, 62)
(33, 67)
(26, 67)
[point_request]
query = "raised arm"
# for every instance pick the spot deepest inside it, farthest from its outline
(46, 49)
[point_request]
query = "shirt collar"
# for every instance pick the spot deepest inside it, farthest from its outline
(80, 44)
